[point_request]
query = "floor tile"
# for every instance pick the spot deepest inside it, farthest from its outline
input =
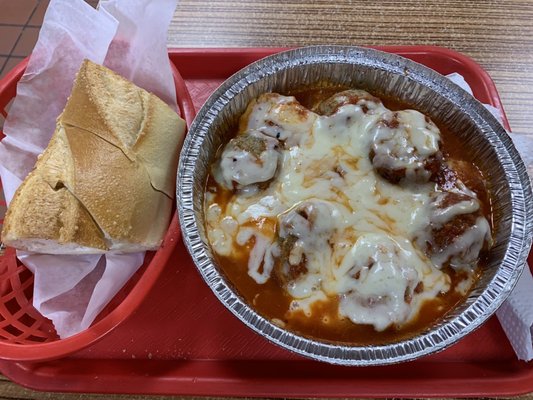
(26, 42)
(93, 3)
(2, 62)
(16, 11)
(11, 63)
(8, 38)
(38, 15)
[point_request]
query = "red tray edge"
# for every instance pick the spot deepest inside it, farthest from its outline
(254, 53)
(202, 378)
(517, 381)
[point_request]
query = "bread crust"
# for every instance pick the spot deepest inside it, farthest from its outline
(106, 181)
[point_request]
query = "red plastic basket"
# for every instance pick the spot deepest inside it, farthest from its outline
(26, 335)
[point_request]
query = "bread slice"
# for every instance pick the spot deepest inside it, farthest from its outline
(106, 181)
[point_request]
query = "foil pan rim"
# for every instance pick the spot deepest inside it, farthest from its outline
(477, 313)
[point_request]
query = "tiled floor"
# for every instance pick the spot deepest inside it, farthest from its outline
(20, 21)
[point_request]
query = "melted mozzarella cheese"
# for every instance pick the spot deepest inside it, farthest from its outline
(221, 230)
(342, 216)
(261, 260)
(251, 159)
(446, 209)
(280, 117)
(378, 280)
(464, 250)
(445, 214)
(403, 141)
(312, 235)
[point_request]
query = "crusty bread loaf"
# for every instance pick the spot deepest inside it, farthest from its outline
(106, 181)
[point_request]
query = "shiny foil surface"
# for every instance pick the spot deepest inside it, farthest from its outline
(384, 75)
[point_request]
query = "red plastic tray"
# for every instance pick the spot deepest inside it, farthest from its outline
(182, 341)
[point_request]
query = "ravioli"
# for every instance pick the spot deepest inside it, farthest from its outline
(349, 207)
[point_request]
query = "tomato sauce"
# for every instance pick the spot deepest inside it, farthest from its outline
(272, 301)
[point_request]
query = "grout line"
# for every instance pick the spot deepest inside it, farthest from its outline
(3, 65)
(20, 35)
(21, 25)
(33, 12)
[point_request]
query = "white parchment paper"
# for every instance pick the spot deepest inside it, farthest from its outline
(139, 47)
(516, 314)
(129, 36)
(71, 31)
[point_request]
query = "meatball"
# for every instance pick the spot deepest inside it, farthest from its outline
(459, 175)
(405, 146)
(304, 235)
(250, 158)
(280, 117)
(380, 283)
(457, 230)
(367, 102)
(467, 174)
(290, 268)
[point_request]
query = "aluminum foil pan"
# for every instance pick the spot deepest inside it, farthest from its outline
(417, 86)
